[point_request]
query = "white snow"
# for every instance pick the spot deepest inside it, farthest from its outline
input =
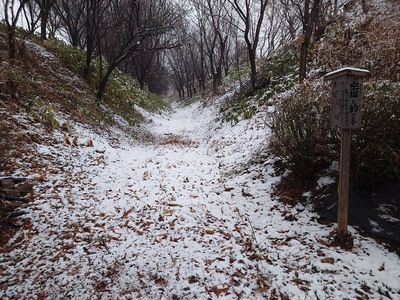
(348, 71)
(183, 216)
(325, 180)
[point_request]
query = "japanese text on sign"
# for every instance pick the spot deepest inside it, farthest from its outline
(346, 102)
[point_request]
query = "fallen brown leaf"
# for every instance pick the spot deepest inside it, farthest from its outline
(238, 274)
(262, 289)
(218, 291)
(328, 260)
(126, 213)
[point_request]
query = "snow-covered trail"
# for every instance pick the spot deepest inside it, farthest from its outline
(183, 217)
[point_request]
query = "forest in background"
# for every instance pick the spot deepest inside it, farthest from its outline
(181, 44)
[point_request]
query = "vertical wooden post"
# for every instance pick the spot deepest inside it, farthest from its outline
(345, 114)
(343, 190)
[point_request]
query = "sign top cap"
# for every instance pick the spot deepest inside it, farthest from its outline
(347, 71)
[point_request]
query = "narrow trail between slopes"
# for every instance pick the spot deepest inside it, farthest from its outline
(185, 216)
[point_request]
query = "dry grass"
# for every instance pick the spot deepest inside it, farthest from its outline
(177, 141)
(11, 144)
(372, 44)
(43, 86)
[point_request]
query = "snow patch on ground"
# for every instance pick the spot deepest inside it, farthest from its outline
(187, 216)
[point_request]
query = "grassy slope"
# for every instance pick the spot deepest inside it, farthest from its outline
(44, 89)
(44, 100)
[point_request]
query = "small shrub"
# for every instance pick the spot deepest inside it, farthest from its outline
(301, 129)
(376, 146)
(73, 58)
(43, 113)
(276, 74)
(152, 102)
(300, 125)
(122, 92)
(234, 111)
(281, 62)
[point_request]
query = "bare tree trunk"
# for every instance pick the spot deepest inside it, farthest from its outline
(309, 20)
(12, 51)
(202, 81)
(303, 61)
(215, 84)
(90, 36)
(45, 7)
(252, 24)
(11, 24)
(103, 83)
(253, 66)
(44, 15)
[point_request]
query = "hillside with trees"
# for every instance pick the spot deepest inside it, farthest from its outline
(154, 149)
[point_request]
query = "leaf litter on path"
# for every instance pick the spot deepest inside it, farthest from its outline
(187, 217)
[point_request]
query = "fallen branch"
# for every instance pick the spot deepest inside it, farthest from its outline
(13, 199)
(13, 215)
(10, 181)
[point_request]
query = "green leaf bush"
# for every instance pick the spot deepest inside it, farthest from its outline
(276, 74)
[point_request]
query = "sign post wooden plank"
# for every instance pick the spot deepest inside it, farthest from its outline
(347, 95)
(343, 189)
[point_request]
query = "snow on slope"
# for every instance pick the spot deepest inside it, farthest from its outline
(183, 217)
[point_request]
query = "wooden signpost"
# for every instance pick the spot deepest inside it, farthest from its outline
(347, 97)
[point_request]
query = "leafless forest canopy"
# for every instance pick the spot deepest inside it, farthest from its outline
(174, 44)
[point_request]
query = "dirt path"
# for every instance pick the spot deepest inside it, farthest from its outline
(184, 218)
